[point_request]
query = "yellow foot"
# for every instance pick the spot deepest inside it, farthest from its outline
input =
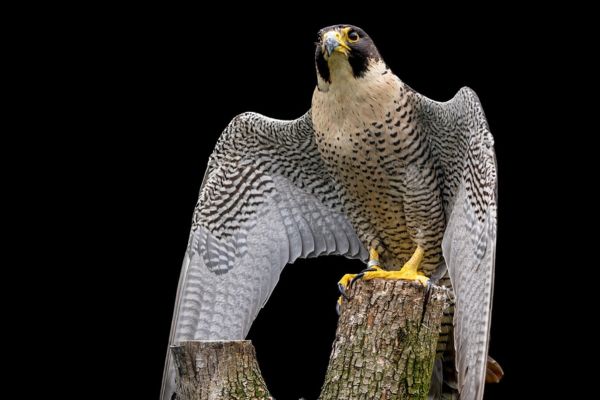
(409, 272)
(407, 275)
(347, 280)
(344, 285)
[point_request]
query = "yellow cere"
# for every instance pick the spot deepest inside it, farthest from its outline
(342, 38)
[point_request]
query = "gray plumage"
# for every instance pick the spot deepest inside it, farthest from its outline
(373, 163)
(463, 146)
(266, 200)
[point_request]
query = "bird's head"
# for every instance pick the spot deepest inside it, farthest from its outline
(344, 52)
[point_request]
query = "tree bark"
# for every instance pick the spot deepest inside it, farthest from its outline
(384, 348)
(385, 342)
(215, 370)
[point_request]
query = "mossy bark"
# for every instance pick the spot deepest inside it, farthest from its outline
(385, 342)
(217, 370)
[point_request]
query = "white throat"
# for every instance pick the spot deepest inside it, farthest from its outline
(348, 101)
(340, 72)
(344, 85)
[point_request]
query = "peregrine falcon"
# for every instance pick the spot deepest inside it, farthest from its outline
(373, 171)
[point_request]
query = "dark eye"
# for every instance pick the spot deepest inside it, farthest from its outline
(353, 36)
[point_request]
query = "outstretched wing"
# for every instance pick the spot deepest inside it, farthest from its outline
(266, 200)
(462, 145)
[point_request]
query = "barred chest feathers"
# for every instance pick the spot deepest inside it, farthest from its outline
(362, 121)
(366, 133)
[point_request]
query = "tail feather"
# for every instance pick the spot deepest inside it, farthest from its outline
(494, 372)
(443, 378)
(441, 389)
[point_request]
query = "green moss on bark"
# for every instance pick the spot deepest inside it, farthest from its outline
(218, 371)
(385, 342)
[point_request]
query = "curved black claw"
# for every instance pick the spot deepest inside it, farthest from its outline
(360, 275)
(342, 290)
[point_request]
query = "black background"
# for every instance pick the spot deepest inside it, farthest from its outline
(163, 84)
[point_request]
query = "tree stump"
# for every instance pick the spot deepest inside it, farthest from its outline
(218, 370)
(385, 342)
(384, 348)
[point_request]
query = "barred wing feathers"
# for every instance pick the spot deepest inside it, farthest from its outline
(463, 147)
(266, 200)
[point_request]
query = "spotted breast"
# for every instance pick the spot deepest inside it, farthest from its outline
(367, 134)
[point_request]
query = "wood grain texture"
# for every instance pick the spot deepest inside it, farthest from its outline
(218, 370)
(384, 348)
(385, 342)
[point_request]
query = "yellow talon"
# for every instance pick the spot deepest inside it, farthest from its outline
(408, 272)
(344, 283)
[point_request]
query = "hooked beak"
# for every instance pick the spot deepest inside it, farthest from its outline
(332, 42)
